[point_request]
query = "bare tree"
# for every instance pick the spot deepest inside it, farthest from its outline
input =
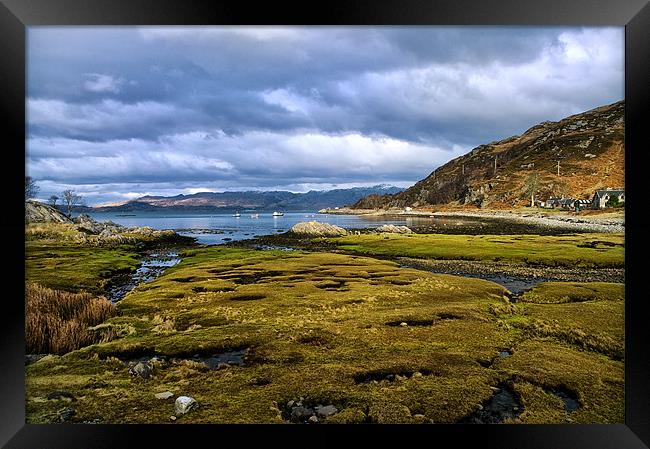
(52, 200)
(531, 186)
(31, 189)
(71, 200)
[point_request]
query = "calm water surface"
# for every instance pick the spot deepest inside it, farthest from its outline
(214, 229)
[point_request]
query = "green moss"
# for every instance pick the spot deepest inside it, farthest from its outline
(74, 268)
(330, 344)
(564, 292)
(530, 249)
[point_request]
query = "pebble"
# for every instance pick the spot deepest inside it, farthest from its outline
(172, 418)
(313, 420)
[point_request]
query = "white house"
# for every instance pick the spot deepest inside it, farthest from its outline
(601, 197)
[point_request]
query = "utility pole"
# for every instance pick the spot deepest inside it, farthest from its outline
(558, 168)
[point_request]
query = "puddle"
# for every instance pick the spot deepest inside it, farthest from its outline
(215, 361)
(569, 397)
(408, 323)
(515, 284)
(375, 377)
(247, 297)
(504, 404)
(504, 354)
(152, 266)
(273, 248)
(220, 360)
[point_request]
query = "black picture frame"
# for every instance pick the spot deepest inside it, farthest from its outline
(16, 15)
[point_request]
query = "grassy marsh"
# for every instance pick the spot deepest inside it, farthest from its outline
(588, 250)
(323, 326)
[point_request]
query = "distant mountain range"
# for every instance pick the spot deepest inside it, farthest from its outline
(251, 200)
(573, 157)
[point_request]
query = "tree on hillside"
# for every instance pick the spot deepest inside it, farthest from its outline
(531, 186)
(31, 189)
(71, 200)
(52, 200)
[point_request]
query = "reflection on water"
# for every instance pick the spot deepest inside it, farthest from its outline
(219, 228)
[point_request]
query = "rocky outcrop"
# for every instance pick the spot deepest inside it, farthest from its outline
(36, 212)
(316, 229)
(394, 229)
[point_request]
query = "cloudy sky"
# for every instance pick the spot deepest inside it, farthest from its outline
(115, 113)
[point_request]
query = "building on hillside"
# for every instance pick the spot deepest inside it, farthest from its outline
(567, 203)
(552, 203)
(601, 197)
(582, 204)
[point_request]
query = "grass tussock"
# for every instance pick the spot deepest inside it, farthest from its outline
(58, 322)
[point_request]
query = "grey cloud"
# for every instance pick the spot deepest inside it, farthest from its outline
(103, 93)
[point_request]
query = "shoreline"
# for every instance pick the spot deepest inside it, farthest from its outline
(606, 223)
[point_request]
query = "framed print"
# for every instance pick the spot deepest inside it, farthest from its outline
(375, 220)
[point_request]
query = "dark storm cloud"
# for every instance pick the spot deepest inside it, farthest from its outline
(120, 104)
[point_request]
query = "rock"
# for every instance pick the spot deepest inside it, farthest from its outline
(403, 324)
(290, 404)
(316, 229)
(61, 395)
(394, 229)
(312, 420)
(142, 369)
(419, 416)
(417, 374)
(326, 410)
(36, 212)
(66, 414)
(164, 395)
(185, 404)
(172, 418)
(399, 378)
(223, 365)
(300, 413)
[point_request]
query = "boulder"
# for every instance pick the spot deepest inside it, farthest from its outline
(316, 229)
(326, 410)
(301, 413)
(36, 212)
(142, 369)
(394, 229)
(185, 404)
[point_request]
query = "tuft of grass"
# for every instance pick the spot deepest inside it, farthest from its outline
(58, 322)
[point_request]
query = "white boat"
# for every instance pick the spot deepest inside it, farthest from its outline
(278, 214)
(237, 214)
(255, 215)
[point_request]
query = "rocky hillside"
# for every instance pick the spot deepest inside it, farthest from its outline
(36, 212)
(589, 147)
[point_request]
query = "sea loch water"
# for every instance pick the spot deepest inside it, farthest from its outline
(214, 229)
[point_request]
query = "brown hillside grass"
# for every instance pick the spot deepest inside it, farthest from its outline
(57, 322)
